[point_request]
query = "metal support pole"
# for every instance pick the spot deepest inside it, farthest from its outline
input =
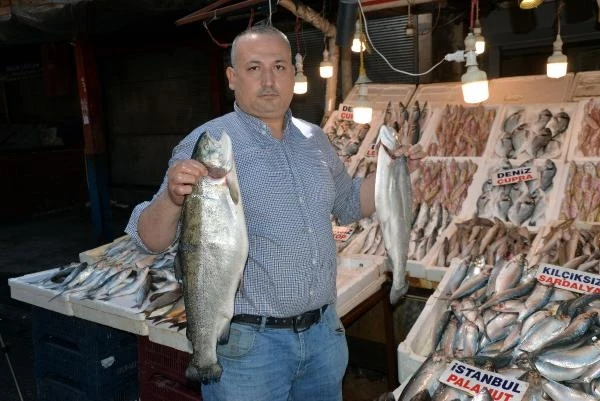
(12, 372)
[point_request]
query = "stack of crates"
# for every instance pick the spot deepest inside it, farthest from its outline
(78, 360)
(162, 373)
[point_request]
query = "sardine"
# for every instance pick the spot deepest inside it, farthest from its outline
(559, 392)
(212, 253)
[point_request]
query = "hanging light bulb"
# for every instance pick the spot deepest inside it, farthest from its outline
(326, 66)
(357, 42)
(362, 112)
(529, 4)
(557, 62)
(475, 87)
(479, 39)
(300, 81)
(410, 28)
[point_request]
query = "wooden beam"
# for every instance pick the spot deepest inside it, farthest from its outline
(309, 15)
(200, 16)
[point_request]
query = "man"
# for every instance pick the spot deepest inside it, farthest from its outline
(291, 182)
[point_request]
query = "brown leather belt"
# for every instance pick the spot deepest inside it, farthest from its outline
(297, 323)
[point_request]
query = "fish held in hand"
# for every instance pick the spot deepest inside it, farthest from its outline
(212, 253)
(393, 202)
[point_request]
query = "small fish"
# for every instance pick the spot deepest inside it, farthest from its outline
(539, 142)
(512, 121)
(547, 174)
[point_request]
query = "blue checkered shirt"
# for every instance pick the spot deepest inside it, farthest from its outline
(290, 189)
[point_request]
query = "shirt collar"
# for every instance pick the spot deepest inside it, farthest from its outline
(258, 125)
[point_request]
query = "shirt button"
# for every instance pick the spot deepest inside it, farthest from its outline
(310, 230)
(311, 292)
(314, 261)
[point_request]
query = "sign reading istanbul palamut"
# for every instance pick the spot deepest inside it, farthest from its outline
(472, 379)
(569, 279)
(513, 175)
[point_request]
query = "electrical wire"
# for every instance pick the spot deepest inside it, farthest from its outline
(215, 41)
(437, 20)
(366, 32)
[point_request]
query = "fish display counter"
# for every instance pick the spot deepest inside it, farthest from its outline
(509, 314)
(120, 286)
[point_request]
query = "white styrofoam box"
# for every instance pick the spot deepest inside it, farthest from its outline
(587, 189)
(586, 84)
(400, 389)
(94, 255)
(169, 336)
(430, 135)
(540, 241)
(530, 89)
(579, 123)
(116, 312)
(358, 277)
(530, 116)
(439, 94)
(24, 289)
(409, 351)
(486, 172)
(380, 94)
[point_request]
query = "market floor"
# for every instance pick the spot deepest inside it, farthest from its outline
(52, 240)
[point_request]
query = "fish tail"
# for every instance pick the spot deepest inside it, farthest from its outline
(209, 374)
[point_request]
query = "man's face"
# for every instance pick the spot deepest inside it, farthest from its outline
(263, 76)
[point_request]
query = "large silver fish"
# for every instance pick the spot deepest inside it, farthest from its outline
(212, 253)
(393, 202)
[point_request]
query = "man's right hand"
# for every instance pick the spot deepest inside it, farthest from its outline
(181, 178)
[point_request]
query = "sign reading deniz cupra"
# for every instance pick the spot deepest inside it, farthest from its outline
(345, 112)
(569, 279)
(472, 379)
(513, 175)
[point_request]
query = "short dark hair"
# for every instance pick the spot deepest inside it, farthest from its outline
(258, 30)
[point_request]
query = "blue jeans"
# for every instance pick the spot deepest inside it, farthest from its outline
(266, 364)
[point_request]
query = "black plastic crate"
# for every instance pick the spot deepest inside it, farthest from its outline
(157, 387)
(90, 338)
(90, 373)
(56, 389)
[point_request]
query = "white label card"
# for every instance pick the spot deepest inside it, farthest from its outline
(569, 279)
(471, 379)
(505, 177)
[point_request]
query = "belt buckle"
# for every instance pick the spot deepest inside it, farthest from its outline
(299, 323)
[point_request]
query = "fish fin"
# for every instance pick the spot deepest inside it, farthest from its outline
(178, 267)
(234, 189)
(205, 375)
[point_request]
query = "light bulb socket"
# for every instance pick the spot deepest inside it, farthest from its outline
(410, 29)
(470, 42)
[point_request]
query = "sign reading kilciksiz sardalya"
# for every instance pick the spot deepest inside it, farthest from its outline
(569, 279)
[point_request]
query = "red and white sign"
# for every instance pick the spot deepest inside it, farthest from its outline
(569, 279)
(345, 112)
(505, 177)
(471, 379)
